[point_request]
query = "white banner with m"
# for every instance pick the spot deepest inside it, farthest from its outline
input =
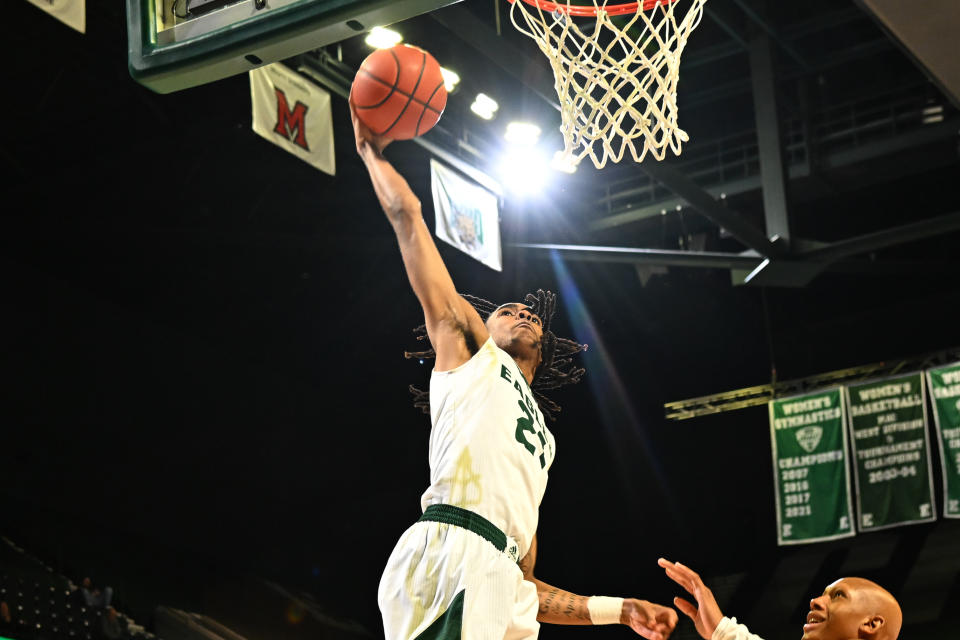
(293, 113)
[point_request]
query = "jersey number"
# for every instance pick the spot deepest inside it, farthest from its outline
(525, 423)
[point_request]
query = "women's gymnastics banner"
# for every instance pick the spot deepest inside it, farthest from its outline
(811, 473)
(891, 452)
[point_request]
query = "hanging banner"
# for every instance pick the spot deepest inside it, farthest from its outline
(891, 452)
(294, 114)
(811, 477)
(945, 389)
(72, 13)
(467, 215)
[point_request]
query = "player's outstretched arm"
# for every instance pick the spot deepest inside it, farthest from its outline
(706, 615)
(557, 606)
(449, 318)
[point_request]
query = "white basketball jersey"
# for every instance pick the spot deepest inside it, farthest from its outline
(489, 447)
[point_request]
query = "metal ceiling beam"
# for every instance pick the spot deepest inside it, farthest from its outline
(715, 53)
(773, 176)
(740, 85)
(730, 31)
(712, 54)
(888, 237)
(630, 255)
(705, 203)
(781, 41)
(780, 273)
(762, 394)
(625, 214)
(735, 262)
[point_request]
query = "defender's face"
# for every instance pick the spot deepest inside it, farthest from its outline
(837, 614)
(514, 326)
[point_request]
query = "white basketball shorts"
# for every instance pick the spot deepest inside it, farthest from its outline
(443, 582)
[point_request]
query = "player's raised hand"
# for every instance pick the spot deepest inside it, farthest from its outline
(652, 621)
(706, 614)
(364, 136)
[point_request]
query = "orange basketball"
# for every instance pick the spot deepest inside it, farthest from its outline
(399, 92)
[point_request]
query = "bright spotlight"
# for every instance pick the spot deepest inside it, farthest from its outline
(484, 106)
(522, 133)
(382, 38)
(524, 171)
(450, 79)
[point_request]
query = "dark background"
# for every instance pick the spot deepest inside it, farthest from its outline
(203, 339)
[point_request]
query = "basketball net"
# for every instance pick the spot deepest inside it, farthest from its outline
(617, 84)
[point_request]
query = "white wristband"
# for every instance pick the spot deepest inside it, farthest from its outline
(604, 610)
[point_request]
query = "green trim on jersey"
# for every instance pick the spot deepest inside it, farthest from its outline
(448, 514)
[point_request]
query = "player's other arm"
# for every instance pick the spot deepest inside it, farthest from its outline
(558, 606)
(449, 318)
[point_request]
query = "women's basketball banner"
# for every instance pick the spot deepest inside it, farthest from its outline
(467, 215)
(891, 452)
(294, 114)
(811, 477)
(945, 388)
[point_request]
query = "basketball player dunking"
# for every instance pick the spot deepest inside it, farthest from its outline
(468, 573)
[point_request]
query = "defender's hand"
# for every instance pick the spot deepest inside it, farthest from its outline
(706, 615)
(652, 621)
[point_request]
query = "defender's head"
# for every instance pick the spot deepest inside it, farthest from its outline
(853, 608)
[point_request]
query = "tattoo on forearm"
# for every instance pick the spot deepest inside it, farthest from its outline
(578, 608)
(547, 600)
(563, 604)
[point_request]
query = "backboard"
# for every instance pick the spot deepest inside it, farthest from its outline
(176, 44)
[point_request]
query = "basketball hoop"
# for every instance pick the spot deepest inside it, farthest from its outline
(617, 84)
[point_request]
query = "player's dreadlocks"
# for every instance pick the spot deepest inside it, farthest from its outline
(556, 367)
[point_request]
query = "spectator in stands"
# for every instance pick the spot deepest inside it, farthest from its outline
(94, 596)
(7, 626)
(113, 625)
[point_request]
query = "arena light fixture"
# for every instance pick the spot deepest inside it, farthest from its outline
(522, 133)
(450, 79)
(484, 106)
(932, 114)
(524, 170)
(383, 38)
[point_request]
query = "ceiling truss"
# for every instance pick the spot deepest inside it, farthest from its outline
(771, 256)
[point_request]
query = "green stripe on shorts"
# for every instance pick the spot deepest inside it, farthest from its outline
(447, 626)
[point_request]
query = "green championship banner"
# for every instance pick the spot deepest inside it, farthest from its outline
(945, 389)
(891, 452)
(811, 478)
